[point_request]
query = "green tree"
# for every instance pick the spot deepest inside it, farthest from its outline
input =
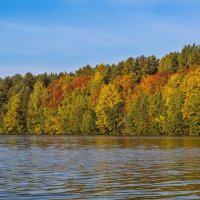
(190, 55)
(35, 112)
(157, 114)
(25, 96)
(88, 123)
(5, 85)
(85, 71)
(72, 109)
(169, 63)
(17, 104)
(174, 99)
(29, 80)
(150, 66)
(176, 124)
(53, 121)
(139, 117)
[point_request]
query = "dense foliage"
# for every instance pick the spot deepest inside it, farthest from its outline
(139, 96)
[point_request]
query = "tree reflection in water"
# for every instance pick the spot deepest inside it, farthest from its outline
(74, 167)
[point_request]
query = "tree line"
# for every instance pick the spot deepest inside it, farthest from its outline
(138, 96)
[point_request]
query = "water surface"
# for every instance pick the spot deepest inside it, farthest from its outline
(69, 167)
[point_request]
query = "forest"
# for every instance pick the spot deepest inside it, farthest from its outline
(138, 96)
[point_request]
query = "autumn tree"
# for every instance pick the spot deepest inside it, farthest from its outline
(35, 113)
(174, 99)
(141, 96)
(12, 120)
(191, 105)
(109, 111)
(147, 107)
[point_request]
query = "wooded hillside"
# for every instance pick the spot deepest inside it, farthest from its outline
(139, 96)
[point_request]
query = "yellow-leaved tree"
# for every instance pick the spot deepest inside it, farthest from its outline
(35, 113)
(109, 111)
(191, 106)
(11, 121)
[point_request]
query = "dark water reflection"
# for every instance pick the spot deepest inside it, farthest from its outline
(59, 167)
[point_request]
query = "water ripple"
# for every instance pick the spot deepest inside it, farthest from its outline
(99, 167)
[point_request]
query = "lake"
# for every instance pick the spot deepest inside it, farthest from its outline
(99, 167)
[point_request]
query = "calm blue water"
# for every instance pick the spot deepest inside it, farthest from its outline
(67, 167)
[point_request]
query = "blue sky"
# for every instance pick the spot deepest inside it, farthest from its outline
(62, 35)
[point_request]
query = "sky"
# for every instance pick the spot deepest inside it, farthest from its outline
(40, 36)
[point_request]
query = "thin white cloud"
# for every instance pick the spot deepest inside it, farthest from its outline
(48, 38)
(109, 36)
